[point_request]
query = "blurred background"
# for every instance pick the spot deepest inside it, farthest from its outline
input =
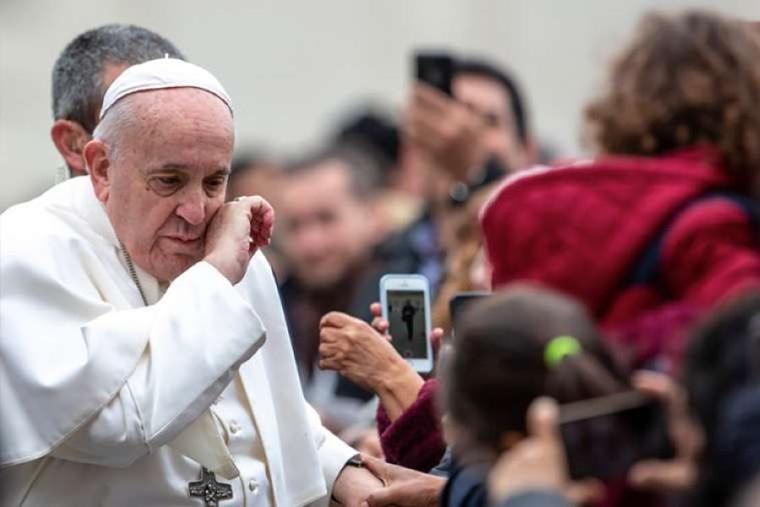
(295, 68)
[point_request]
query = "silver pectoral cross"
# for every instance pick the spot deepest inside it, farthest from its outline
(209, 489)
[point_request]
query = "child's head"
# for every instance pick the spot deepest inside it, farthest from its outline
(518, 344)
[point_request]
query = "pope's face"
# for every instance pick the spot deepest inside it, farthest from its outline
(167, 177)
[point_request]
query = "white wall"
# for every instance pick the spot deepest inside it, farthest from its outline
(293, 66)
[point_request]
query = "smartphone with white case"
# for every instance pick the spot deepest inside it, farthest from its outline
(405, 300)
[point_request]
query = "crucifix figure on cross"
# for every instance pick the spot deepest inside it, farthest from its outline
(209, 489)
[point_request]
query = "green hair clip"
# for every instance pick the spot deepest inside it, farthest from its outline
(560, 347)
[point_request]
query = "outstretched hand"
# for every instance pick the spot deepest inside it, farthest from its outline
(403, 487)
(353, 485)
(366, 357)
(356, 350)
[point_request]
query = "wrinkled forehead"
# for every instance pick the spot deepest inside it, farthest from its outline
(170, 102)
(181, 127)
(151, 113)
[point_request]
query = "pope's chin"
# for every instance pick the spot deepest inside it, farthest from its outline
(172, 257)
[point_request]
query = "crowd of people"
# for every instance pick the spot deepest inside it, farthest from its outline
(162, 341)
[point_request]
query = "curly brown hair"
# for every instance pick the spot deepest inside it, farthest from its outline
(685, 79)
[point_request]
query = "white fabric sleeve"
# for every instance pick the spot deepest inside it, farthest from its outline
(198, 335)
(333, 452)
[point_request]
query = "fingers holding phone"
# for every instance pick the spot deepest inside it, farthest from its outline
(631, 422)
(538, 463)
(357, 351)
(446, 131)
(679, 473)
(379, 323)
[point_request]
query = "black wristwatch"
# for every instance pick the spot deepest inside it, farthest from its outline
(355, 461)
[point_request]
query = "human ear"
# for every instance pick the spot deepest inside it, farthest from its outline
(98, 165)
(69, 138)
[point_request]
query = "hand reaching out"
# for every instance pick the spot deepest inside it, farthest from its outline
(403, 487)
(362, 354)
(356, 350)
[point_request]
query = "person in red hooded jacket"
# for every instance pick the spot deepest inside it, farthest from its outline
(661, 226)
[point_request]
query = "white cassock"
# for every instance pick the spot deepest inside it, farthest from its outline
(106, 401)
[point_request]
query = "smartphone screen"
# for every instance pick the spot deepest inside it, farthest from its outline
(605, 436)
(406, 317)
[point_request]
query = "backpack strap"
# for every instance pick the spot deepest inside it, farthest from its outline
(646, 269)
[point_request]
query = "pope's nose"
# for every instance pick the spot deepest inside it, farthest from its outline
(192, 208)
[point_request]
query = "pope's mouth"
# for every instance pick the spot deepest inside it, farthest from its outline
(184, 240)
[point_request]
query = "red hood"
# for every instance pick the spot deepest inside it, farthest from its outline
(580, 228)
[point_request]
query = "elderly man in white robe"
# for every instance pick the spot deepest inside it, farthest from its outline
(144, 356)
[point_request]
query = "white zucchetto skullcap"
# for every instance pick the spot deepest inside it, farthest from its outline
(161, 74)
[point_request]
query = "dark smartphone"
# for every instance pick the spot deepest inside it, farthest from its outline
(435, 69)
(459, 303)
(605, 436)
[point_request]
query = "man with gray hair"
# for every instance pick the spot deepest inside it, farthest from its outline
(84, 70)
(144, 356)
